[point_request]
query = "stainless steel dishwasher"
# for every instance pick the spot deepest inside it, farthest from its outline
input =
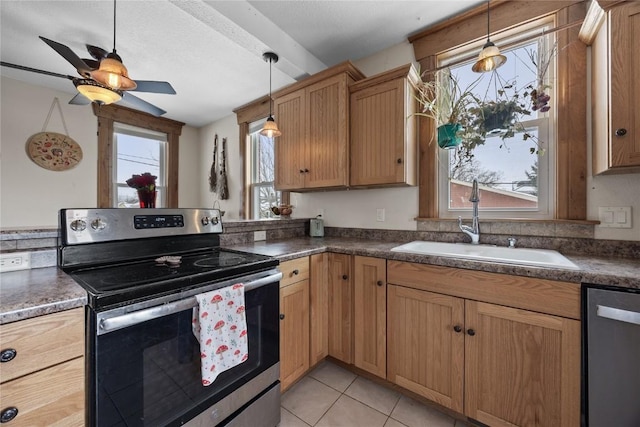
(611, 356)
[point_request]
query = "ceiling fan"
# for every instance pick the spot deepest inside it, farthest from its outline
(103, 79)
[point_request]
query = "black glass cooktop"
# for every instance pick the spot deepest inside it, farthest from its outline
(123, 282)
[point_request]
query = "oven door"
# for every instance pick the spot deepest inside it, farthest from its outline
(144, 365)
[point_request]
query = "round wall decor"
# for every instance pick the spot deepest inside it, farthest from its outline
(54, 151)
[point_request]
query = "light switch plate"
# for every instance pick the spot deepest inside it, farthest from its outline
(259, 235)
(615, 217)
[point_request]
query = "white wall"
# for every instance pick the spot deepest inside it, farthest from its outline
(31, 196)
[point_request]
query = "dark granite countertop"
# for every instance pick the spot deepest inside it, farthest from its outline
(39, 291)
(35, 292)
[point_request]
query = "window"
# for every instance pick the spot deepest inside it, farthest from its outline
(515, 174)
(114, 116)
(263, 193)
(137, 151)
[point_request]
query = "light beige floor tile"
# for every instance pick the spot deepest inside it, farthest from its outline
(333, 376)
(393, 423)
(309, 399)
(378, 397)
(348, 412)
(415, 414)
(287, 419)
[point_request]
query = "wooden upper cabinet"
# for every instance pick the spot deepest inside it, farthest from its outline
(521, 368)
(370, 315)
(616, 90)
(383, 129)
(313, 115)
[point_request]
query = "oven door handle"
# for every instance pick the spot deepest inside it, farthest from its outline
(129, 319)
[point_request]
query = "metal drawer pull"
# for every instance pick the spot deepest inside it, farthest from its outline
(129, 319)
(618, 314)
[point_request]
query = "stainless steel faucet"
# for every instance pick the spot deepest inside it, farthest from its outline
(474, 230)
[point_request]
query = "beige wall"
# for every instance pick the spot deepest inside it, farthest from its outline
(31, 196)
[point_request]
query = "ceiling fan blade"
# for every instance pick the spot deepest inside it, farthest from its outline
(35, 70)
(132, 101)
(69, 55)
(80, 99)
(154, 87)
(91, 63)
(96, 52)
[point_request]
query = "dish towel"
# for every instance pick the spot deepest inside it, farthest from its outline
(219, 323)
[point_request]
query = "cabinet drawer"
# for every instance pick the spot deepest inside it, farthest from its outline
(294, 271)
(541, 295)
(51, 397)
(41, 342)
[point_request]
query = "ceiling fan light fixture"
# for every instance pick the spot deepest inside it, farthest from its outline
(270, 129)
(96, 92)
(489, 58)
(113, 74)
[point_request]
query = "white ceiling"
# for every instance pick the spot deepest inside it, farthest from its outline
(210, 51)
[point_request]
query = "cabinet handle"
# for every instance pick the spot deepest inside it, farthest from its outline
(306, 170)
(345, 277)
(379, 283)
(281, 316)
(399, 161)
(621, 132)
(7, 355)
(8, 414)
(457, 328)
(301, 171)
(471, 332)
(295, 272)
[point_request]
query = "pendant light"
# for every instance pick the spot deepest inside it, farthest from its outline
(112, 73)
(490, 57)
(96, 92)
(270, 128)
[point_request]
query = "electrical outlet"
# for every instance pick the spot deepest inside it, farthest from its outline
(614, 217)
(15, 261)
(380, 215)
(259, 235)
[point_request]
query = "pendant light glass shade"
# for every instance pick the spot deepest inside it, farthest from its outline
(270, 128)
(112, 73)
(96, 92)
(490, 57)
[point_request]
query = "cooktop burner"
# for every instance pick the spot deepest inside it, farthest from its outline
(126, 281)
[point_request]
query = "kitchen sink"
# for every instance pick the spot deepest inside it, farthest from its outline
(520, 256)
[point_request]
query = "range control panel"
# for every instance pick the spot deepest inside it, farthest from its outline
(105, 225)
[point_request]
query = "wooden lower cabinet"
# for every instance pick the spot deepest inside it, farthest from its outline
(425, 353)
(340, 282)
(294, 321)
(521, 368)
(45, 379)
(319, 308)
(370, 315)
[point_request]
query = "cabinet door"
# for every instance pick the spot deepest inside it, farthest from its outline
(294, 332)
(381, 132)
(319, 314)
(327, 118)
(370, 315)
(522, 368)
(424, 348)
(625, 90)
(290, 148)
(340, 307)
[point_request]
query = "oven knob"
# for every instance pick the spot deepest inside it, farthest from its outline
(214, 220)
(98, 224)
(78, 225)
(205, 220)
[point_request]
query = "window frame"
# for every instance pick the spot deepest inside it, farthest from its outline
(253, 185)
(571, 152)
(108, 115)
(546, 125)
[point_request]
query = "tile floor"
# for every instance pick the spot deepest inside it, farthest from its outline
(330, 396)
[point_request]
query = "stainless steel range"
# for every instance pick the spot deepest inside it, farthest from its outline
(142, 269)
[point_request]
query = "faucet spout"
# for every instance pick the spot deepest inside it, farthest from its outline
(474, 230)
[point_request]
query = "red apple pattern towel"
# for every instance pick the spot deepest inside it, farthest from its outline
(220, 325)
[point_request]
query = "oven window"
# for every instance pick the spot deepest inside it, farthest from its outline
(149, 374)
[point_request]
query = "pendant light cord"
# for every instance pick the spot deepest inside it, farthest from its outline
(270, 100)
(488, 20)
(114, 25)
